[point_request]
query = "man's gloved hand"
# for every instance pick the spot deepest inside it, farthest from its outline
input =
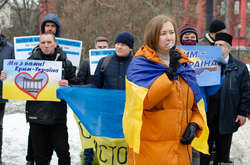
(189, 133)
(174, 62)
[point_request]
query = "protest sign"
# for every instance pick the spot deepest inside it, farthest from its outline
(204, 62)
(31, 79)
(24, 46)
(95, 55)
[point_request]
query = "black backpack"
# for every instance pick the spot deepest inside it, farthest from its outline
(105, 62)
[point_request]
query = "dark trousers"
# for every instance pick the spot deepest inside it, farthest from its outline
(45, 138)
(30, 152)
(2, 107)
(222, 143)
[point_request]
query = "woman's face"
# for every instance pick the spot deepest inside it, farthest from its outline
(167, 36)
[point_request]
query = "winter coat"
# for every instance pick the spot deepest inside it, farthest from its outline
(113, 76)
(164, 120)
(83, 76)
(50, 112)
(206, 40)
(232, 99)
(6, 52)
(51, 18)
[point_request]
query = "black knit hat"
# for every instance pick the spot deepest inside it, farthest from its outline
(216, 25)
(224, 37)
(187, 28)
(125, 38)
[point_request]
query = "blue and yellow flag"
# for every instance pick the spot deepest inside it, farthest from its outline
(140, 75)
(100, 111)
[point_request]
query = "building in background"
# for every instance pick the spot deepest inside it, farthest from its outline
(5, 15)
(235, 14)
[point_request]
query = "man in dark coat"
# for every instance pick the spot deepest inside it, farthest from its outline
(6, 52)
(228, 107)
(215, 27)
(50, 24)
(47, 118)
(113, 76)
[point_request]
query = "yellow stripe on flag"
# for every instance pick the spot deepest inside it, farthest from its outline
(132, 118)
(200, 144)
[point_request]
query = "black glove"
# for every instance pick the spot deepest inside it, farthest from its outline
(174, 63)
(189, 133)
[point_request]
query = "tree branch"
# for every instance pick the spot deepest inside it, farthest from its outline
(104, 4)
(150, 4)
(3, 3)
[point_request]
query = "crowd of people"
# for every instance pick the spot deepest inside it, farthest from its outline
(173, 109)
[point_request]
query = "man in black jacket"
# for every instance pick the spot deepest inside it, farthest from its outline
(227, 109)
(6, 52)
(50, 24)
(216, 26)
(113, 75)
(47, 118)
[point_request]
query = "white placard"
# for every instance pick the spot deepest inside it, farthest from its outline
(24, 46)
(95, 55)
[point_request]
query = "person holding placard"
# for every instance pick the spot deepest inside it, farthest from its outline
(50, 24)
(83, 76)
(48, 129)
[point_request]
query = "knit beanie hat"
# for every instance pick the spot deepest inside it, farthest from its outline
(187, 28)
(216, 25)
(125, 38)
(224, 37)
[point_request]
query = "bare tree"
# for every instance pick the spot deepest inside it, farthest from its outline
(3, 3)
(86, 19)
(24, 18)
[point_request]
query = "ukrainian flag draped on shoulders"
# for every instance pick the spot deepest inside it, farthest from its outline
(142, 72)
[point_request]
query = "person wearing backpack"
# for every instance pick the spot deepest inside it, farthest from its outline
(110, 74)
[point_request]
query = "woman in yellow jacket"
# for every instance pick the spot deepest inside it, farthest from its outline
(161, 116)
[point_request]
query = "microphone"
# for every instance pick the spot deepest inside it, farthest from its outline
(170, 45)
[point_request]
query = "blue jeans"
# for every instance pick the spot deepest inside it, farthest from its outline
(88, 155)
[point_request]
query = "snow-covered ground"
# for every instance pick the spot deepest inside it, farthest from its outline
(16, 131)
(16, 136)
